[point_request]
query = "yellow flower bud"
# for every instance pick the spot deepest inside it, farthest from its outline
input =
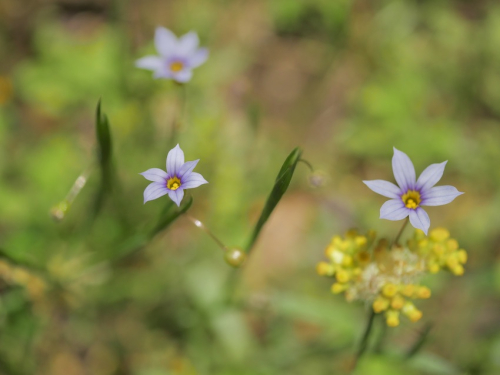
(360, 241)
(423, 243)
(458, 270)
(411, 312)
(329, 250)
(438, 249)
(392, 318)
(415, 315)
(342, 276)
(389, 290)
(423, 292)
(347, 261)
(451, 261)
(408, 290)
(433, 267)
(357, 271)
(439, 234)
(380, 304)
(397, 302)
(336, 241)
(325, 269)
(338, 288)
(462, 256)
(452, 244)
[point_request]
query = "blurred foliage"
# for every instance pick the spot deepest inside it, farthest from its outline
(344, 80)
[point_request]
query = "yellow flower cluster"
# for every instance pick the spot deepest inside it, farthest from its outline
(14, 275)
(439, 250)
(388, 276)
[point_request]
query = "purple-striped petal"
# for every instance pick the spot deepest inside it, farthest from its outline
(155, 190)
(439, 195)
(188, 43)
(175, 159)
(150, 63)
(197, 58)
(385, 188)
(183, 76)
(404, 171)
(420, 220)
(155, 174)
(193, 180)
(176, 195)
(430, 176)
(187, 167)
(165, 41)
(394, 209)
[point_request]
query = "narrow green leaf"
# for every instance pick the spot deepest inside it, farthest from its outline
(280, 186)
(170, 213)
(104, 153)
(103, 136)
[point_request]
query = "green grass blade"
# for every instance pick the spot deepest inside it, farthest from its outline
(104, 156)
(280, 186)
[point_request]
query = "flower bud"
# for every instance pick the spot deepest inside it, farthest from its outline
(439, 234)
(325, 269)
(59, 211)
(317, 179)
(389, 290)
(235, 257)
(392, 318)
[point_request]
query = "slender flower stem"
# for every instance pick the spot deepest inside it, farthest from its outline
(379, 345)
(78, 185)
(202, 226)
(307, 163)
(180, 112)
(396, 240)
(364, 339)
(422, 339)
(59, 211)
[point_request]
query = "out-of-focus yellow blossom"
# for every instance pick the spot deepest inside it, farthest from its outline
(439, 250)
(388, 277)
(14, 275)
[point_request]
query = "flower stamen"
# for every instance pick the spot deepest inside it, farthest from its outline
(176, 66)
(411, 199)
(173, 183)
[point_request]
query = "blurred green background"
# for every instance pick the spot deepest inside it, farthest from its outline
(344, 80)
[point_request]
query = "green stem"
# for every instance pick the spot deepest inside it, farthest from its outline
(381, 337)
(307, 163)
(202, 226)
(396, 240)
(424, 334)
(180, 114)
(364, 339)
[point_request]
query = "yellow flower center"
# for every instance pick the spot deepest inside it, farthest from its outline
(173, 183)
(411, 199)
(176, 66)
